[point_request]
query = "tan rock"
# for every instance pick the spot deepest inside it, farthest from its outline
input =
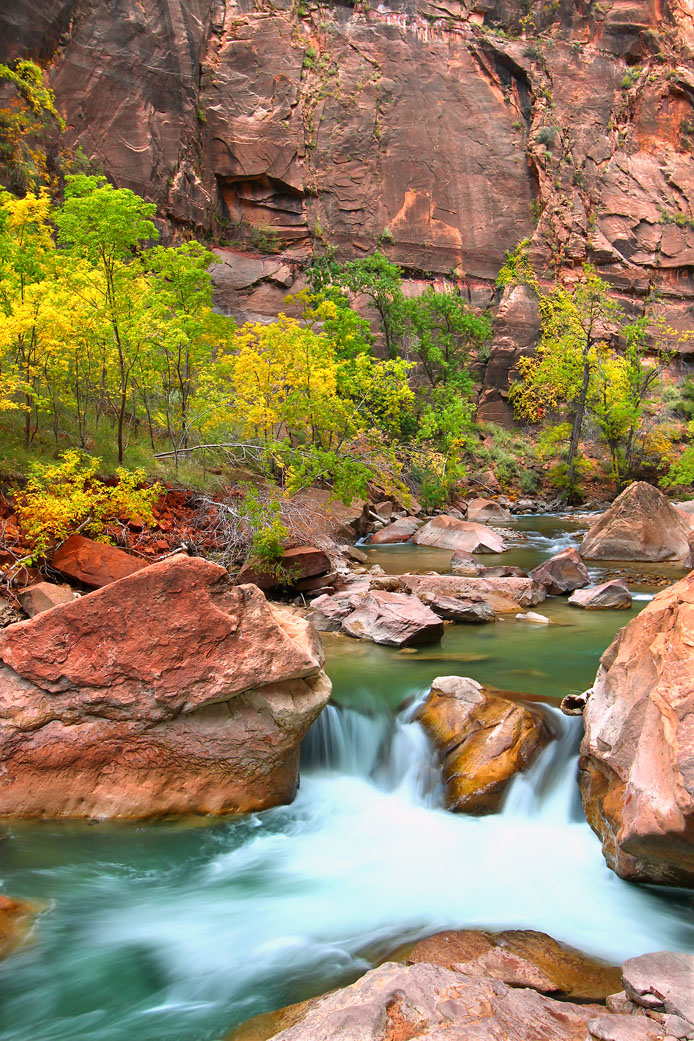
(93, 564)
(170, 691)
(393, 619)
(42, 596)
(446, 532)
(505, 595)
(487, 511)
(463, 563)
(16, 921)
(459, 609)
(641, 524)
(562, 971)
(400, 530)
(562, 573)
(608, 596)
(661, 982)
(483, 741)
(636, 771)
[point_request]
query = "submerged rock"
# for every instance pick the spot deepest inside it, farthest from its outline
(641, 524)
(610, 595)
(393, 619)
(636, 766)
(447, 532)
(483, 741)
(16, 921)
(562, 573)
(170, 691)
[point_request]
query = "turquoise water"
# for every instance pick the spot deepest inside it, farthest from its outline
(178, 931)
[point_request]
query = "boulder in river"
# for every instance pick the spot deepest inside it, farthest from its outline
(487, 511)
(505, 595)
(463, 563)
(483, 741)
(16, 921)
(458, 608)
(636, 769)
(607, 596)
(641, 524)
(393, 619)
(171, 691)
(447, 532)
(400, 530)
(562, 573)
(93, 564)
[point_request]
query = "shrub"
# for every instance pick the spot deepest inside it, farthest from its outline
(65, 496)
(546, 136)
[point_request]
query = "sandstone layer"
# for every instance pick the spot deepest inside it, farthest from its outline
(637, 756)
(171, 691)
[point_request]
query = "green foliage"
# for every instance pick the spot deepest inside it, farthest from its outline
(23, 125)
(67, 496)
(268, 532)
(546, 136)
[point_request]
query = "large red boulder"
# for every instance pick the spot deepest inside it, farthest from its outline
(637, 756)
(393, 619)
(447, 532)
(93, 564)
(400, 530)
(562, 573)
(170, 691)
(641, 524)
(294, 566)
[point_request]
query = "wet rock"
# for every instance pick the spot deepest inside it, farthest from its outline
(641, 524)
(504, 571)
(661, 982)
(487, 511)
(539, 961)
(635, 770)
(44, 595)
(609, 595)
(400, 530)
(393, 619)
(447, 532)
(459, 609)
(396, 1002)
(533, 617)
(483, 741)
(503, 594)
(171, 691)
(93, 564)
(463, 563)
(16, 921)
(562, 573)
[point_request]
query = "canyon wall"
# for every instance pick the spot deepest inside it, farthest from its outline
(441, 132)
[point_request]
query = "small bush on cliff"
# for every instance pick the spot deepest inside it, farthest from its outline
(65, 497)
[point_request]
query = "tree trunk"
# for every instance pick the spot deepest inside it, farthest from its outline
(576, 431)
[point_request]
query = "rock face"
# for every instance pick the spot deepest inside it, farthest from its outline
(170, 691)
(609, 595)
(521, 958)
(93, 564)
(562, 573)
(400, 530)
(484, 741)
(637, 757)
(641, 524)
(450, 533)
(396, 1002)
(393, 619)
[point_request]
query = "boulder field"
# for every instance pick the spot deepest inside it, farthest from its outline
(171, 691)
(636, 769)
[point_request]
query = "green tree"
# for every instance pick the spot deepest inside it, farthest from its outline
(443, 332)
(23, 123)
(105, 226)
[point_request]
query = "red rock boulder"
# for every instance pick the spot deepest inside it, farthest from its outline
(608, 596)
(400, 530)
(93, 564)
(562, 573)
(487, 511)
(446, 532)
(641, 524)
(294, 566)
(637, 757)
(44, 595)
(170, 691)
(393, 619)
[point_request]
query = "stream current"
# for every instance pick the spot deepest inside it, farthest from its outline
(176, 931)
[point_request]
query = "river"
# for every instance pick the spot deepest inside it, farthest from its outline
(175, 931)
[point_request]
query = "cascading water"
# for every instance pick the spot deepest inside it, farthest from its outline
(175, 931)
